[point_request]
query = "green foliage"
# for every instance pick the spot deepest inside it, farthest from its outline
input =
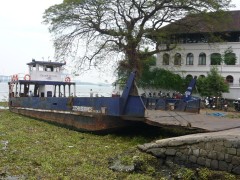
(186, 174)
(216, 59)
(39, 150)
(4, 104)
(150, 77)
(146, 73)
(202, 86)
(72, 1)
(143, 72)
(32, 149)
(212, 85)
(206, 174)
(229, 57)
(161, 78)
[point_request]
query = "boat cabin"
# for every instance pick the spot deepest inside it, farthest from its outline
(45, 79)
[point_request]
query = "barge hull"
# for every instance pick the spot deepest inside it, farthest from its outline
(82, 122)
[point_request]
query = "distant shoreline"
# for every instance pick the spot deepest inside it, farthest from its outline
(77, 83)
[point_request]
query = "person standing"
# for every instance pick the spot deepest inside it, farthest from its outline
(91, 93)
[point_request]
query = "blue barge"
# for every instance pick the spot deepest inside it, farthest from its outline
(46, 93)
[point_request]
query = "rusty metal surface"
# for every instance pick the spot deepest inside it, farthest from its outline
(83, 122)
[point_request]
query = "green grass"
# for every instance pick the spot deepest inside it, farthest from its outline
(4, 104)
(32, 149)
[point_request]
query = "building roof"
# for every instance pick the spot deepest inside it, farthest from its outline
(46, 63)
(228, 21)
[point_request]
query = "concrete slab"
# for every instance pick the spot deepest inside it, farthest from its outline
(202, 121)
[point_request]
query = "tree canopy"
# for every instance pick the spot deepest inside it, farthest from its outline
(229, 57)
(118, 28)
(212, 85)
(161, 79)
(153, 77)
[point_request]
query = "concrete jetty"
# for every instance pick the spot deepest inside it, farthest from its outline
(218, 148)
(205, 121)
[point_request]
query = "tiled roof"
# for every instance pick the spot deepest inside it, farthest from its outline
(203, 23)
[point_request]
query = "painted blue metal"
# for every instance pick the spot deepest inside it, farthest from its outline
(134, 107)
(179, 104)
(188, 92)
(49, 103)
(127, 90)
(112, 106)
(84, 113)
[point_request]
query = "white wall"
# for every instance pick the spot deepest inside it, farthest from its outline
(197, 70)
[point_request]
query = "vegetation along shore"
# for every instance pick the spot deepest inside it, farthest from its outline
(32, 149)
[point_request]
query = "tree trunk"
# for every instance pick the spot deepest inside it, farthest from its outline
(133, 59)
(134, 65)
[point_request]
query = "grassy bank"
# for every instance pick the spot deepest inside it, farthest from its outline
(32, 149)
(4, 104)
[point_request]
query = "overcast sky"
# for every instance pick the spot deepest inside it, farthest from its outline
(23, 36)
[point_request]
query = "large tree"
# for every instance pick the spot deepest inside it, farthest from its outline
(212, 85)
(109, 28)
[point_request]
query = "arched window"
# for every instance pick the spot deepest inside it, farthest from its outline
(189, 60)
(166, 58)
(188, 79)
(189, 76)
(202, 59)
(177, 59)
(230, 58)
(202, 76)
(216, 59)
(229, 79)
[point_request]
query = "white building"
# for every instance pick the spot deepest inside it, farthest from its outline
(195, 55)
